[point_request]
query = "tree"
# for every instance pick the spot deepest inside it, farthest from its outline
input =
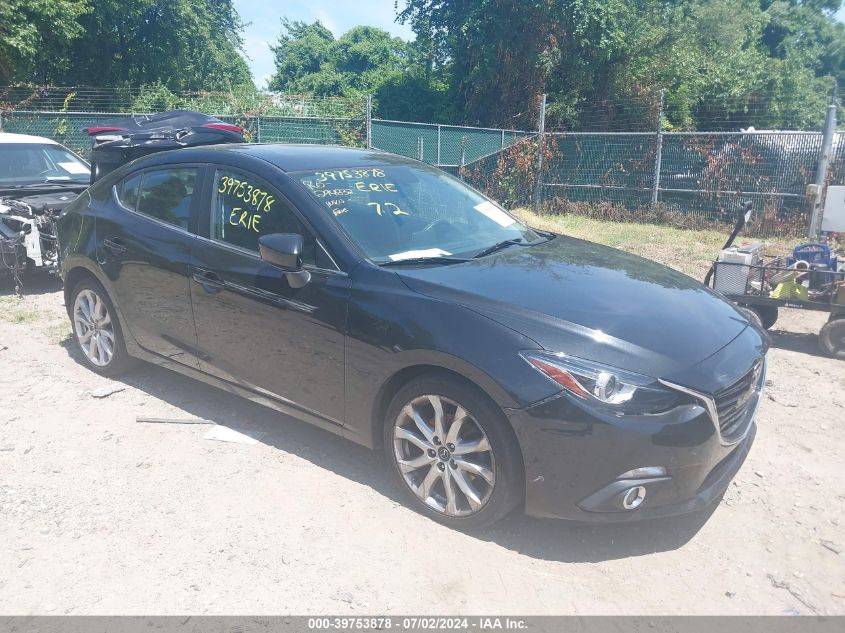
(310, 60)
(181, 44)
(32, 30)
(500, 52)
(769, 62)
(301, 51)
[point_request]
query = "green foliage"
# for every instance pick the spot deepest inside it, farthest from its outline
(178, 44)
(154, 98)
(364, 60)
(412, 97)
(723, 63)
(32, 30)
(301, 51)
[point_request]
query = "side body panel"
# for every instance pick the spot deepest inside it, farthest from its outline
(391, 328)
(256, 331)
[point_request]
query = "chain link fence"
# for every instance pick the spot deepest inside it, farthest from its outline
(616, 160)
(60, 113)
(622, 163)
(65, 127)
(687, 178)
(446, 146)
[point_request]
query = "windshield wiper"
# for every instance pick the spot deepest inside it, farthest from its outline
(424, 260)
(498, 246)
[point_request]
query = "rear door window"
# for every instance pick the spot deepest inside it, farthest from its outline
(166, 195)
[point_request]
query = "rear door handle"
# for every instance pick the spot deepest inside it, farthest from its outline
(209, 281)
(114, 245)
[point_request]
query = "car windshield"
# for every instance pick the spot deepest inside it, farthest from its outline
(35, 163)
(404, 212)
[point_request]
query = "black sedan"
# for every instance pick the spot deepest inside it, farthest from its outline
(386, 301)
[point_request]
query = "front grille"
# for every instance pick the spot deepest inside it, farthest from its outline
(733, 403)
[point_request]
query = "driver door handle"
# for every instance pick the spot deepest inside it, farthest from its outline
(209, 280)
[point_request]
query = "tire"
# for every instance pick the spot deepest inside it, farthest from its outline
(752, 316)
(832, 338)
(768, 315)
(485, 484)
(95, 334)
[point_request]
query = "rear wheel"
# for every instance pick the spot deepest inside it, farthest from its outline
(454, 452)
(96, 329)
(832, 338)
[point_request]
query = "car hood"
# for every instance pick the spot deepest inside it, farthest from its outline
(591, 301)
(53, 201)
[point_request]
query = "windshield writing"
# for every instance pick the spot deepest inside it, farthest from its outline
(396, 212)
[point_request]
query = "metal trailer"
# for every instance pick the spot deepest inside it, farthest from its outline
(820, 288)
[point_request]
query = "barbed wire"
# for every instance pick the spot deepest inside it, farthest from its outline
(770, 109)
(765, 109)
(157, 98)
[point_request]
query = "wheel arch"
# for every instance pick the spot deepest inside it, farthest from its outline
(72, 279)
(82, 269)
(402, 377)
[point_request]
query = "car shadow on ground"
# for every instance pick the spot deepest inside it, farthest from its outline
(802, 342)
(542, 539)
(36, 283)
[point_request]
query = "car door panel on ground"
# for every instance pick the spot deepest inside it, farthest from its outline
(144, 245)
(253, 328)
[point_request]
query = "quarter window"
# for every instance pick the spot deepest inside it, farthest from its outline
(127, 191)
(244, 209)
(166, 194)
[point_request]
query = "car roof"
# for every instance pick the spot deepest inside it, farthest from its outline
(8, 137)
(290, 157)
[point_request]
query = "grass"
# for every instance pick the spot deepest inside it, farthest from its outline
(14, 313)
(688, 250)
(17, 310)
(59, 333)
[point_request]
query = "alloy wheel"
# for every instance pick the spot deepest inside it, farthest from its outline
(444, 456)
(93, 327)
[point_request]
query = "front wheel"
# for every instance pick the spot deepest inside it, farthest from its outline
(454, 452)
(96, 329)
(832, 338)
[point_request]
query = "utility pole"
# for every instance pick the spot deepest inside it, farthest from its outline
(823, 168)
(541, 135)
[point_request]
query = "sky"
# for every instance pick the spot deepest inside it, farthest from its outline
(265, 24)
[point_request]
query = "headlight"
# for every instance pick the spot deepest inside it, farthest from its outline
(610, 389)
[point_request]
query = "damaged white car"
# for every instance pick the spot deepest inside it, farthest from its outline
(38, 178)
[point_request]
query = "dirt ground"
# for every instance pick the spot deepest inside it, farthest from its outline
(101, 514)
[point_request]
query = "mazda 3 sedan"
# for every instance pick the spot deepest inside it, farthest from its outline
(384, 300)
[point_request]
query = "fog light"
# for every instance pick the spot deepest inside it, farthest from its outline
(633, 498)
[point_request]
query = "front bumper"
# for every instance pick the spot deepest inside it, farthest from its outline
(574, 463)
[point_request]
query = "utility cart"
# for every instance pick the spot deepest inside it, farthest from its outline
(811, 278)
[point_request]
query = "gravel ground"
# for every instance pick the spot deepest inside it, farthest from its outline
(101, 514)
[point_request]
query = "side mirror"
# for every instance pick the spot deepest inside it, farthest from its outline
(284, 250)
